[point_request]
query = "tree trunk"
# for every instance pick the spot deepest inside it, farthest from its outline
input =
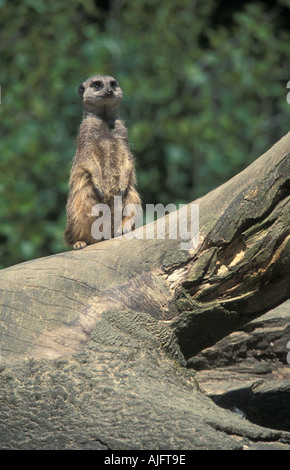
(94, 342)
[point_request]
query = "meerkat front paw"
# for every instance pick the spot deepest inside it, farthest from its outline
(79, 245)
(100, 192)
(123, 191)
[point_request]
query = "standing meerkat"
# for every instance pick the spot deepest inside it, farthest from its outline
(103, 165)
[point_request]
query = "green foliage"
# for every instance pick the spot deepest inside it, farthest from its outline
(204, 95)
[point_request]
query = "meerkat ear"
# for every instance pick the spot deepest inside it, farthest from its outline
(81, 90)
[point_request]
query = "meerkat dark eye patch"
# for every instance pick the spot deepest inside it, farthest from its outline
(113, 83)
(97, 84)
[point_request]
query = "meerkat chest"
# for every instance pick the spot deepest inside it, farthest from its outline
(108, 148)
(112, 149)
(112, 154)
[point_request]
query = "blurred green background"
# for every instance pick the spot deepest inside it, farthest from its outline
(205, 86)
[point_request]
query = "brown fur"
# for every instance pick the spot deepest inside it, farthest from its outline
(103, 166)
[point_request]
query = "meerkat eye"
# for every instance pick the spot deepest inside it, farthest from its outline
(97, 84)
(113, 83)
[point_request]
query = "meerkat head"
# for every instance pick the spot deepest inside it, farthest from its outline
(100, 91)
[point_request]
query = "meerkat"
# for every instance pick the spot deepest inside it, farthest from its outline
(103, 166)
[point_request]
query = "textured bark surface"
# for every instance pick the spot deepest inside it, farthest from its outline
(94, 343)
(249, 370)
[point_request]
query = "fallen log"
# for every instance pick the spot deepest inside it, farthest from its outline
(101, 336)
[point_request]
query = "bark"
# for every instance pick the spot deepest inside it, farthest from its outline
(249, 370)
(94, 343)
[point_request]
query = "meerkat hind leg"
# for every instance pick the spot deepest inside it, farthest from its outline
(79, 245)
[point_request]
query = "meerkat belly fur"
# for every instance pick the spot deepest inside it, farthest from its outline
(103, 166)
